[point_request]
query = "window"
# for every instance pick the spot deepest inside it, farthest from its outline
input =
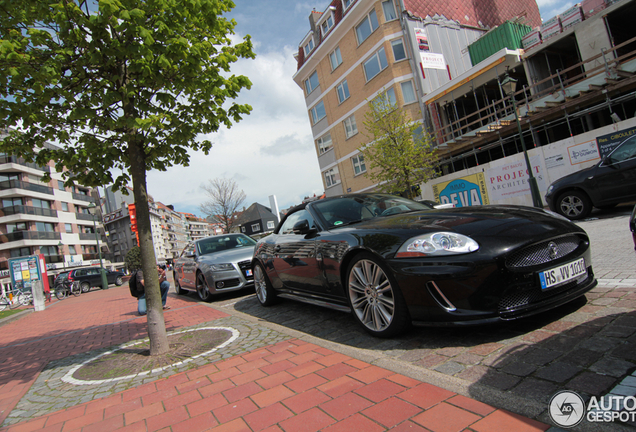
(44, 227)
(242, 229)
(326, 25)
(40, 203)
(256, 227)
(376, 64)
(318, 112)
(324, 143)
(343, 91)
(48, 250)
(388, 97)
(332, 177)
(346, 4)
(366, 27)
(10, 202)
(20, 226)
(18, 252)
(350, 127)
(335, 58)
(68, 227)
(311, 83)
(64, 206)
(358, 164)
(408, 93)
(71, 250)
(398, 49)
(309, 47)
(389, 10)
(293, 219)
(271, 225)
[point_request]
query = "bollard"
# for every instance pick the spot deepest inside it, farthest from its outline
(38, 295)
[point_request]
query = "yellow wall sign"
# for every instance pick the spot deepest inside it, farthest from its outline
(463, 192)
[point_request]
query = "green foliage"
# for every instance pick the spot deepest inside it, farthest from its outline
(399, 156)
(94, 77)
(133, 258)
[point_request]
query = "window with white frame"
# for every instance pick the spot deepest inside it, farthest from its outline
(311, 83)
(324, 143)
(408, 93)
(256, 227)
(343, 91)
(347, 3)
(335, 58)
(358, 164)
(367, 26)
(389, 10)
(332, 177)
(318, 112)
(376, 64)
(242, 229)
(350, 126)
(327, 24)
(271, 225)
(398, 49)
(308, 47)
(385, 98)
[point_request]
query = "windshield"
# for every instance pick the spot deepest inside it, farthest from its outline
(355, 208)
(223, 242)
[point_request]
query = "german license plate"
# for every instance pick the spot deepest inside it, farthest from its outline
(564, 273)
(248, 272)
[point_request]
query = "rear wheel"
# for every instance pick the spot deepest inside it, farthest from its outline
(119, 281)
(61, 292)
(4, 302)
(202, 288)
(77, 289)
(23, 299)
(86, 287)
(264, 291)
(375, 299)
(574, 205)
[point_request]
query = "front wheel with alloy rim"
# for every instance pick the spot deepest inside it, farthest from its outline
(264, 291)
(574, 205)
(177, 285)
(202, 288)
(86, 287)
(375, 299)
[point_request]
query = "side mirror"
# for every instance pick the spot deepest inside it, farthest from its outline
(301, 227)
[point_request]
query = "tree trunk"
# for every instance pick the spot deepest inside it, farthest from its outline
(156, 324)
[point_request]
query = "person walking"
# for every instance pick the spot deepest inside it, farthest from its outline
(164, 286)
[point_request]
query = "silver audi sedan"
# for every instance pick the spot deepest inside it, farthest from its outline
(215, 264)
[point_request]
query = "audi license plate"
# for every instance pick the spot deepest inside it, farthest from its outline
(248, 272)
(564, 273)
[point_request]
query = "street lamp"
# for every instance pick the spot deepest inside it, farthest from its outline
(101, 264)
(509, 85)
(60, 245)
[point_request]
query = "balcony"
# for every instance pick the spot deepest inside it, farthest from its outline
(22, 209)
(21, 161)
(85, 216)
(82, 197)
(17, 184)
(53, 259)
(90, 256)
(29, 235)
(87, 236)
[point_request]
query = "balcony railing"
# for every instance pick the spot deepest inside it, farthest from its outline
(90, 256)
(22, 209)
(84, 216)
(17, 184)
(83, 197)
(21, 161)
(87, 236)
(29, 235)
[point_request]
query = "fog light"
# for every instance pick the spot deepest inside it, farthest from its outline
(220, 284)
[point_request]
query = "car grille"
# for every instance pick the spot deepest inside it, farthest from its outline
(540, 253)
(244, 266)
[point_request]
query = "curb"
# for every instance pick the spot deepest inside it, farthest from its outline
(15, 316)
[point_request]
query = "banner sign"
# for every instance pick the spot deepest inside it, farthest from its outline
(463, 192)
(511, 179)
(607, 143)
(583, 152)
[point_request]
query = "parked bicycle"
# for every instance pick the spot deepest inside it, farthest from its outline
(13, 299)
(66, 288)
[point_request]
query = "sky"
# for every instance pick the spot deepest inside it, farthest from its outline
(271, 151)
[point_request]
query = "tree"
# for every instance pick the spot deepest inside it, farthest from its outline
(123, 84)
(400, 156)
(225, 198)
(133, 258)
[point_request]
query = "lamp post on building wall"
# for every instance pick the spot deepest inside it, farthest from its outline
(99, 250)
(509, 86)
(60, 245)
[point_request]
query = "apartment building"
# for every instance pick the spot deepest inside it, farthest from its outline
(358, 49)
(45, 218)
(175, 234)
(196, 227)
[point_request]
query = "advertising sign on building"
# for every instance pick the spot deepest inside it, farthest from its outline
(511, 179)
(463, 192)
(583, 152)
(432, 61)
(607, 143)
(422, 39)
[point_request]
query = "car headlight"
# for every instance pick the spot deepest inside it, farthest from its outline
(550, 189)
(436, 244)
(221, 267)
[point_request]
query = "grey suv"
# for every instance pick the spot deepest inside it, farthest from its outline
(604, 185)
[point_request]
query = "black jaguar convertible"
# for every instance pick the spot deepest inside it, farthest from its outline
(394, 262)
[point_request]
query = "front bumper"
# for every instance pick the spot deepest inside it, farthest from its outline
(230, 280)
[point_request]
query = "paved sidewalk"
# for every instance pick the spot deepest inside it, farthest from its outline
(264, 380)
